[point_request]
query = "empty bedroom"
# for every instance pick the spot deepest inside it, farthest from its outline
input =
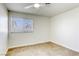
(39, 29)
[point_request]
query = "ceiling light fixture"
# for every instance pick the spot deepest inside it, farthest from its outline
(36, 5)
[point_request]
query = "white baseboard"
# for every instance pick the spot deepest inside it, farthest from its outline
(28, 44)
(64, 46)
(2, 54)
(43, 42)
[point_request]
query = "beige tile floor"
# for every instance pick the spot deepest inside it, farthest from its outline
(43, 49)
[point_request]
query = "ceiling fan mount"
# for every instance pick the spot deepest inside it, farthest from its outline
(47, 3)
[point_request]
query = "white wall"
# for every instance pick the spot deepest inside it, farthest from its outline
(40, 33)
(3, 29)
(65, 29)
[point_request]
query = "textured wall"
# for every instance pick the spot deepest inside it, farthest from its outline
(3, 29)
(40, 33)
(65, 29)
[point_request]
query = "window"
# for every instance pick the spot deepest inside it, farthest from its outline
(22, 24)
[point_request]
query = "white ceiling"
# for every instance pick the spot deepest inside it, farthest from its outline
(52, 10)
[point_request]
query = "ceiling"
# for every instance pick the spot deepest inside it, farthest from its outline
(51, 10)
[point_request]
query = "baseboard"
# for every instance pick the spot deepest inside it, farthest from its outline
(34, 43)
(63, 46)
(2, 54)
